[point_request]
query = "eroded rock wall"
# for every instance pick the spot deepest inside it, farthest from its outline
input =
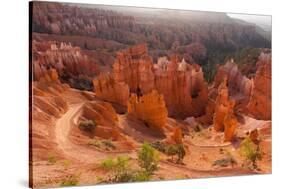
(149, 108)
(260, 101)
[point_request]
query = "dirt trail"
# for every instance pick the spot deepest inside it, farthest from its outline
(71, 150)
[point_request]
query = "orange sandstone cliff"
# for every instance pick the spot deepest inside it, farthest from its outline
(149, 108)
(133, 66)
(110, 90)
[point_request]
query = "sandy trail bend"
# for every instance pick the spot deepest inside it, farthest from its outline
(71, 150)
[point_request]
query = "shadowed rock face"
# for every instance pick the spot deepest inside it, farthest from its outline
(239, 86)
(149, 108)
(260, 101)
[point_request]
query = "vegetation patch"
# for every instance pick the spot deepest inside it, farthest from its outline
(225, 161)
(71, 180)
(88, 125)
(251, 153)
(122, 172)
(148, 158)
(66, 163)
(102, 144)
(52, 159)
(171, 150)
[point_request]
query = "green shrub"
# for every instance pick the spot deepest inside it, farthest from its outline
(250, 151)
(141, 176)
(109, 144)
(71, 180)
(108, 163)
(180, 152)
(123, 176)
(121, 172)
(119, 163)
(159, 146)
(87, 125)
(226, 161)
(95, 143)
(148, 158)
(66, 163)
(171, 150)
(175, 149)
(52, 159)
(120, 168)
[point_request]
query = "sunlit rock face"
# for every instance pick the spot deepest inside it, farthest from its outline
(230, 124)
(182, 85)
(149, 108)
(239, 86)
(260, 101)
(133, 66)
(176, 136)
(223, 106)
(105, 117)
(63, 57)
(110, 90)
(47, 97)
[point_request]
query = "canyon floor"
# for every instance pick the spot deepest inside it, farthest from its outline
(80, 160)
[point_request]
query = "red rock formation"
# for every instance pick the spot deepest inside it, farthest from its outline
(56, 18)
(239, 86)
(177, 135)
(174, 137)
(63, 57)
(149, 108)
(133, 66)
(223, 106)
(183, 87)
(230, 124)
(260, 101)
(110, 90)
